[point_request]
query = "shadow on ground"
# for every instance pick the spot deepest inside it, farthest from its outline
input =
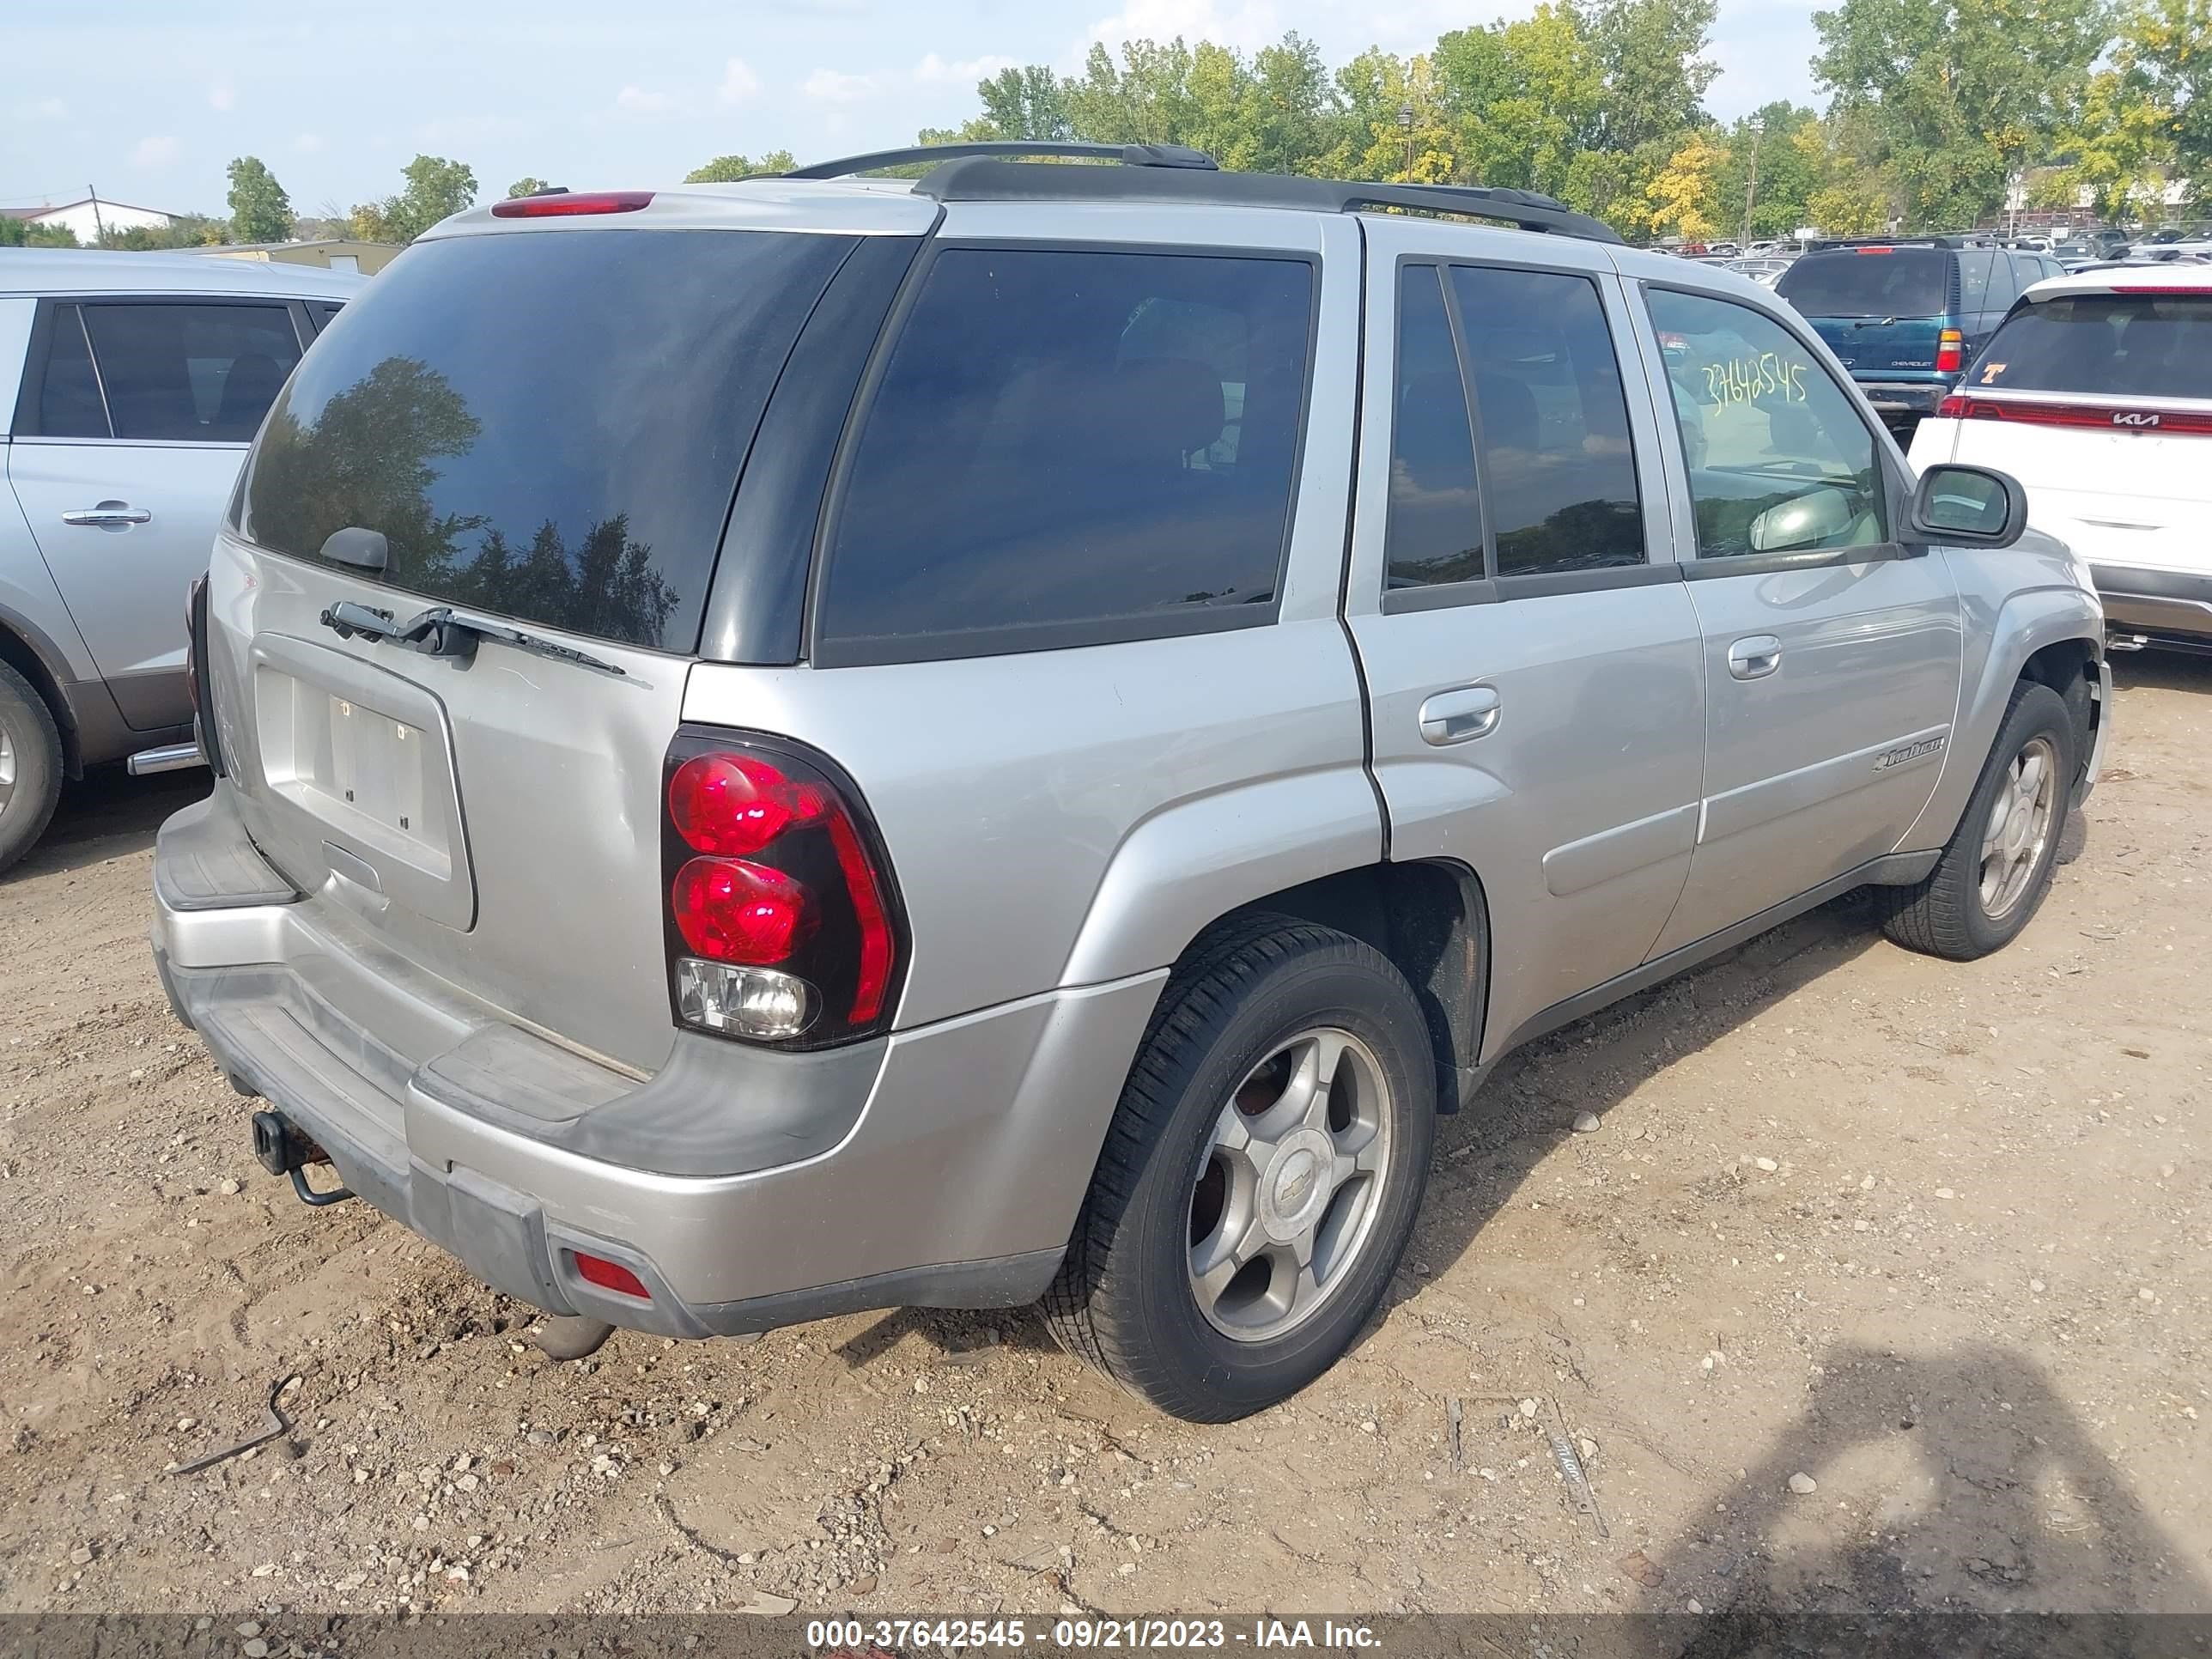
(107, 814)
(1988, 1495)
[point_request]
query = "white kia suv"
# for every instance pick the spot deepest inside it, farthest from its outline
(2096, 393)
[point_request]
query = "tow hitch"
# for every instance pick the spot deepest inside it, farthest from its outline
(282, 1150)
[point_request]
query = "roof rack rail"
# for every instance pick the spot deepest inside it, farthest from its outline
(985, 181)
(1133, 155)
(1170, 173)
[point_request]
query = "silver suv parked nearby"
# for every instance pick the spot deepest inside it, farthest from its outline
(819, 745)
(130, 386)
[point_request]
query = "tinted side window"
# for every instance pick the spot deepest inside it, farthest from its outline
(2005, 288)
(1435, 532)
(1779, 460)
(323, 312)
(1974, 279)
(1556, 462)
(1070, 447)
(185, 371)
(70, 405)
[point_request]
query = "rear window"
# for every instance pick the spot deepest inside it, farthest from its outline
(2129, 345)
(548, 424)
(1069, 448)
(1883, 282)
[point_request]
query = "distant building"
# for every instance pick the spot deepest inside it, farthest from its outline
(86, 219)
(361, 258)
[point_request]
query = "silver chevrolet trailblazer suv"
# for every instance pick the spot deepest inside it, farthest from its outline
(831, 743)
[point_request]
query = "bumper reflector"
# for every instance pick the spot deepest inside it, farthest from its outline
(610, 1276)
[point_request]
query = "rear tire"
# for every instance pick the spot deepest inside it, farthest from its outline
(1997, 866)
(1260, 1176)
(30, 766)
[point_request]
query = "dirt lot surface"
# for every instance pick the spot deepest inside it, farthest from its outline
(1882, 1284)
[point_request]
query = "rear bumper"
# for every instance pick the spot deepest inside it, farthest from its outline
(941, 1166)
(2159, 603)
(1904, 397)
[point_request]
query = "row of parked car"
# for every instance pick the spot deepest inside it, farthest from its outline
(835, 742)
(2093, 384)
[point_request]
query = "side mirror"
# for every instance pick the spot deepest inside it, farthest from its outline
(1969, 507)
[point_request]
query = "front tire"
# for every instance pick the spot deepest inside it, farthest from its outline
(30, 766)
(1260, 1176)
(1997, 867)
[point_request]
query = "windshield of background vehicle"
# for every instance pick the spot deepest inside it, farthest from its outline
(2141, 345)
(1871, 282)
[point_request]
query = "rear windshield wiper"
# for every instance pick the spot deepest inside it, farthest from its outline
(443, 631)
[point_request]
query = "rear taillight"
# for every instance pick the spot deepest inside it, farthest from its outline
(571, 204)
(197, 670)
(2100, 417)
(783, 925)
(1950, 351)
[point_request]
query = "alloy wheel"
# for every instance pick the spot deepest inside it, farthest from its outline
(2019, 827)
(1292, 1185)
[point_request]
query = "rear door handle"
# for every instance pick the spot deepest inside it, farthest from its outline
(108, 515)
(1455, 716)
(1755, 657)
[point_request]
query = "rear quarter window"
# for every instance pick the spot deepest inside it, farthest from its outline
(1070, 447)
(548, 425)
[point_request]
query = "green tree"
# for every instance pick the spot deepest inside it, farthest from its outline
(1024, 103)
(728, 169)
(1683, 198)
(529, 186)
(185, 230)
(1376, 90)
(1770, 169)
(435, 189)
(1960, 94)
(22, 233)
(1650, 53)
(2119, 144)
(260, 211)
(1523, 97)
(2165, 47)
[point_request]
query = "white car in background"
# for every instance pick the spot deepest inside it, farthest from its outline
(2096, 393)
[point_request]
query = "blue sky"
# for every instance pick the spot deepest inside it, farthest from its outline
(147, 100)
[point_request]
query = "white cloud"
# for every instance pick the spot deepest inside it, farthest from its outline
(1247, 24)
(964, 71)
(831, 86)
(46, 109)
(221, 97)
(154, 152)
(308, 143)
(636, 100)
(738, 83)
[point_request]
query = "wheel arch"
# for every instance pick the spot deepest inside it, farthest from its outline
(2052, 635)
(20, 653)
(1431, 919)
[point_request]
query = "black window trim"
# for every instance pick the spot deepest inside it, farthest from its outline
(31, 393)
(1697, 566)
(1492, 588)
(870, 652)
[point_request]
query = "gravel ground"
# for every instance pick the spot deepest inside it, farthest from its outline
(1880, 1284)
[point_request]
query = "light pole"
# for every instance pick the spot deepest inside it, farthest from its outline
(1751, 188)
(1406, 127)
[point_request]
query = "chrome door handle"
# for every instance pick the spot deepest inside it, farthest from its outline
(108, 515)
(1755, 657)
(1456, 716)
